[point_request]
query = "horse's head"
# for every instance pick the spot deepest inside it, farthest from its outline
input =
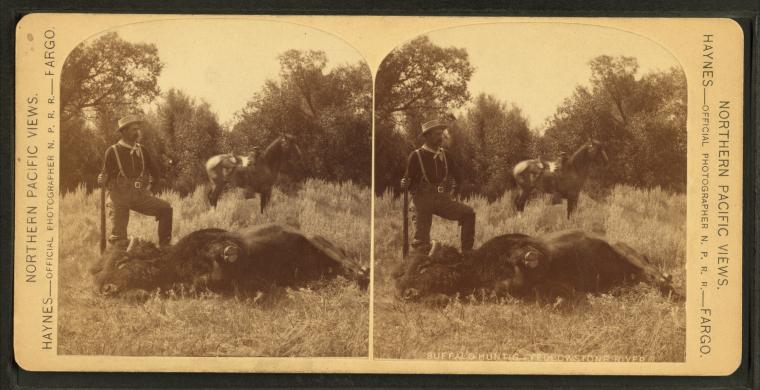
(289, 148)
(596, 151)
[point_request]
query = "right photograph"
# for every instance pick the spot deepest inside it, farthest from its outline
(530, 200)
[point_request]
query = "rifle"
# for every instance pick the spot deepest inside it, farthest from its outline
(405, 228)
(102, 217)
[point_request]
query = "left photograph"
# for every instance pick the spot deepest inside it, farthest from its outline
(215, 192)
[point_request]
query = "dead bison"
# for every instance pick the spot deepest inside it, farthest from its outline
(494, 268)
(555, 265)
(251, 260)
(583, 263)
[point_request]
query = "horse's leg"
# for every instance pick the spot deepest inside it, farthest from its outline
(215, 192)
(265, 195)
(249, 193)
(520, 200)
(572, 202)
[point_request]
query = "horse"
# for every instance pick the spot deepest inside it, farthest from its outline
(563, 178)
(255, 172)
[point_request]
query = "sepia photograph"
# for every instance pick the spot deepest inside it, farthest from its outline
(530, 200)
(352, 194)
(215, 192)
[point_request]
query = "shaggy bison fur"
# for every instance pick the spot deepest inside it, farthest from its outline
(495, 267)
(556, 265)
(255, 259)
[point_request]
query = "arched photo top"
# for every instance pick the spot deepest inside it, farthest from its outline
(223, 60)
(534, 65)
(516, 91)
(221, 86)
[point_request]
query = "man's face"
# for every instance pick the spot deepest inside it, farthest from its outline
(446, 143)
(131, 133)
(434, 138)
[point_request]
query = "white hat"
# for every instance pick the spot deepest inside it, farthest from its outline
(128, 120)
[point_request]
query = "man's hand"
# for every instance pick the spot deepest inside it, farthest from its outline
(405, 183)
(101, 178)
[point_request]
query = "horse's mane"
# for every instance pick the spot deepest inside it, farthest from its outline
(577, 154)
(272, 150)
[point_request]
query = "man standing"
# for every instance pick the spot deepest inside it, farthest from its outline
(129, 171)
(428, 173)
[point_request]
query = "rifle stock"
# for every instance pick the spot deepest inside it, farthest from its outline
(102, 218)
(405, 228)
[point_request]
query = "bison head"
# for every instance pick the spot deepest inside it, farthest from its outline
(441, 271)
(199, 260)
(520, 269)
(136, 268)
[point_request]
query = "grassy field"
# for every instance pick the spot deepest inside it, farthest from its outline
(638, 324)
(331, 321)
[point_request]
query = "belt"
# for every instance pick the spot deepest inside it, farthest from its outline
(440, 188)
(127, 182)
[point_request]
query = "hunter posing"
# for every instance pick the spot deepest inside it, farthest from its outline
(429, 171)
(128, 170)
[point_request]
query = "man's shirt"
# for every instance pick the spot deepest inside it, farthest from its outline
(435, 165)
(131, 162)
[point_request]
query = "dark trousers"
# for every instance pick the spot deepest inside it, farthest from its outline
(429, 202)
(126, 198)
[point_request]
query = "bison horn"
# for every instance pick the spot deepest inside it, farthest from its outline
(231, 253)
(131, 243)
(411, 293)
(531, 259)
(434, 249)
(109, 289)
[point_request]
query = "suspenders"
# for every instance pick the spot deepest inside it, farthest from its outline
(138, 184)
(422, 167)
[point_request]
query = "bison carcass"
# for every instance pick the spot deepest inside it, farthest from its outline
(556, 265)
(583, 263)
(494, 267)
(250, 260)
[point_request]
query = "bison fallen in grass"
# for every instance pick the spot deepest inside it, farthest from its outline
(582, 263)
(496, 267)
(556, 265)
(255, 259)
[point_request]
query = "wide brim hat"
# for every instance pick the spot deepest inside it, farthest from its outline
(433, 125)
(128, 120)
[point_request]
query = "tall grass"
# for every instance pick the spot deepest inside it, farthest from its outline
(639, 323)
(331, 321)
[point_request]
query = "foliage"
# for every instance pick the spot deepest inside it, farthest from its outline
(416, 82)
(108, 77)
(188, 134)
(637, 321)
(642, 123)
(109, 72)
(633, 115)
(495, 138)
(330, 321)
(101, 81)
(329, 112)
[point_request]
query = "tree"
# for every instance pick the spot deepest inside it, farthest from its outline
(101, 81)
(414, 83)
(190, 134)
(329, 112)
(498, 138)
(641, 120)
(109, 72)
